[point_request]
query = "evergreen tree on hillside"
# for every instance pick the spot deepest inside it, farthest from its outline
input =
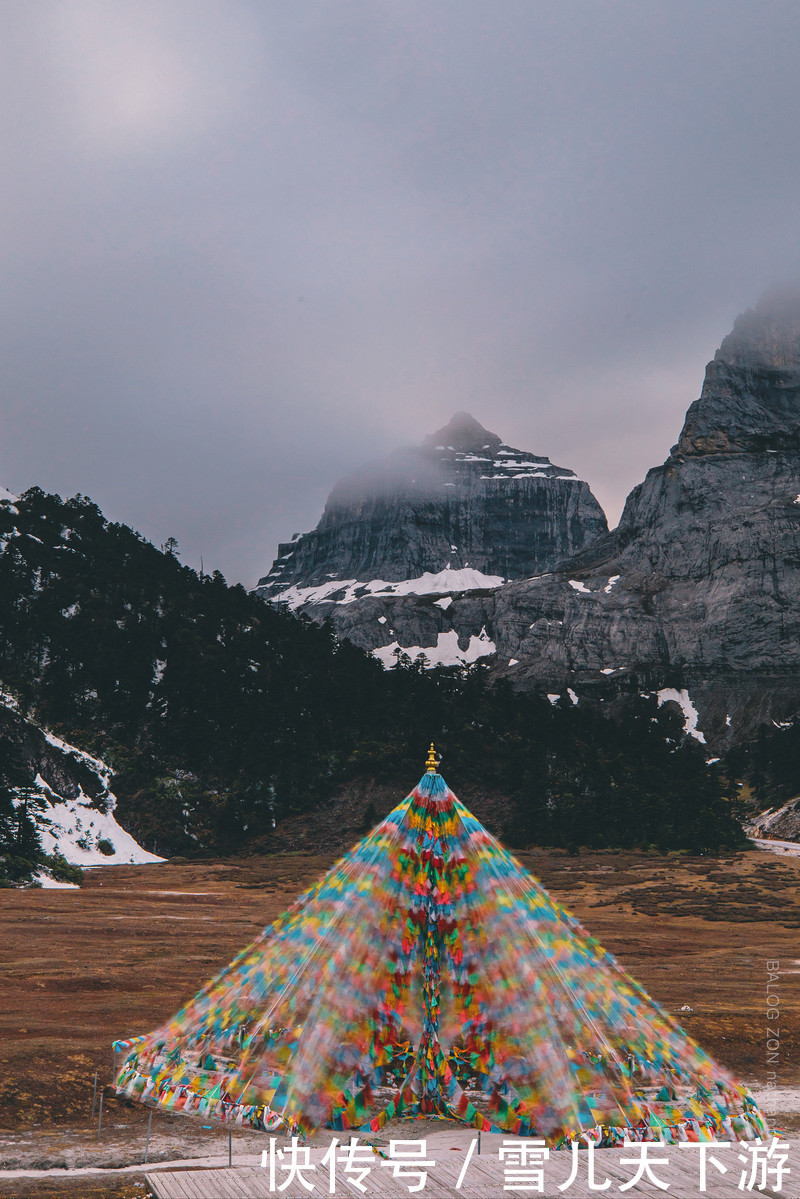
(8, 811)
(20, 809)
(222, 715)
(770, 764)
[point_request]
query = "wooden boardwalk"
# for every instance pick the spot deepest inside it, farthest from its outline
(485, 1179)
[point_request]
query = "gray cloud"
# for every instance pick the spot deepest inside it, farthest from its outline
(247, 246)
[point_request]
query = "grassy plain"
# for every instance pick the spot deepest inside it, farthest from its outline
(79, 969)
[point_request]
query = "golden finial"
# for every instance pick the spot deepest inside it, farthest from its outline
(432, 761)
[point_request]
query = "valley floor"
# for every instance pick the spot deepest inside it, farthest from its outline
(79, 969)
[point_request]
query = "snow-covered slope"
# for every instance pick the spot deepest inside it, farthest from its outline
(77, 820)
(347, 591)
(446, 652)
(77, 828)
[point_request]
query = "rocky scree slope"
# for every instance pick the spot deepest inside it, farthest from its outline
(461, 513)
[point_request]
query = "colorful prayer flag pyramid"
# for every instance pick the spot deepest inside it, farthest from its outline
(428, 973)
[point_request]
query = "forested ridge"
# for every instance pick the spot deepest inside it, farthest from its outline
(221, 715)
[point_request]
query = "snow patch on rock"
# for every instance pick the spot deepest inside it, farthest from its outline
(99, 767)
(347, 591)
(690, 713)
(53, 884)
(446, 652)
(75, 827)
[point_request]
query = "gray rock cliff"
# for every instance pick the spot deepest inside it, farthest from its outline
(695, 596)
(698, 589)
(463, 500)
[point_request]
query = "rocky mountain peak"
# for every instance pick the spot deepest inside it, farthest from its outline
(750, 402)
(767, 335)
(464, 434)
(694, 596)
(693, 599)
(461, 503)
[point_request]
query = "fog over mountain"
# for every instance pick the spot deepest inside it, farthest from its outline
(249, 247)
(462, 502)
(693, 597)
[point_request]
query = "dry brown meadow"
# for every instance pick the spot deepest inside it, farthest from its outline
(79, 969)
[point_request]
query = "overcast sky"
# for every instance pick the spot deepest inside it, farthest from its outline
(250, 245)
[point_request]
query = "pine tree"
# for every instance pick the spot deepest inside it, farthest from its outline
(20, 809)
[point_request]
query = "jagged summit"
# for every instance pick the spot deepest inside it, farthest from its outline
(768, 334)
(695, 595)
(462, 501)
(463, 433)
(750, 400)
(693, 598)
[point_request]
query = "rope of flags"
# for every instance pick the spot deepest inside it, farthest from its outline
(428, 973)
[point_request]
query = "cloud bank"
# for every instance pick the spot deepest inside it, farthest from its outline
(248, 247)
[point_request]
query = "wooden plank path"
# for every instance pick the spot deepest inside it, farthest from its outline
(485, 1179)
